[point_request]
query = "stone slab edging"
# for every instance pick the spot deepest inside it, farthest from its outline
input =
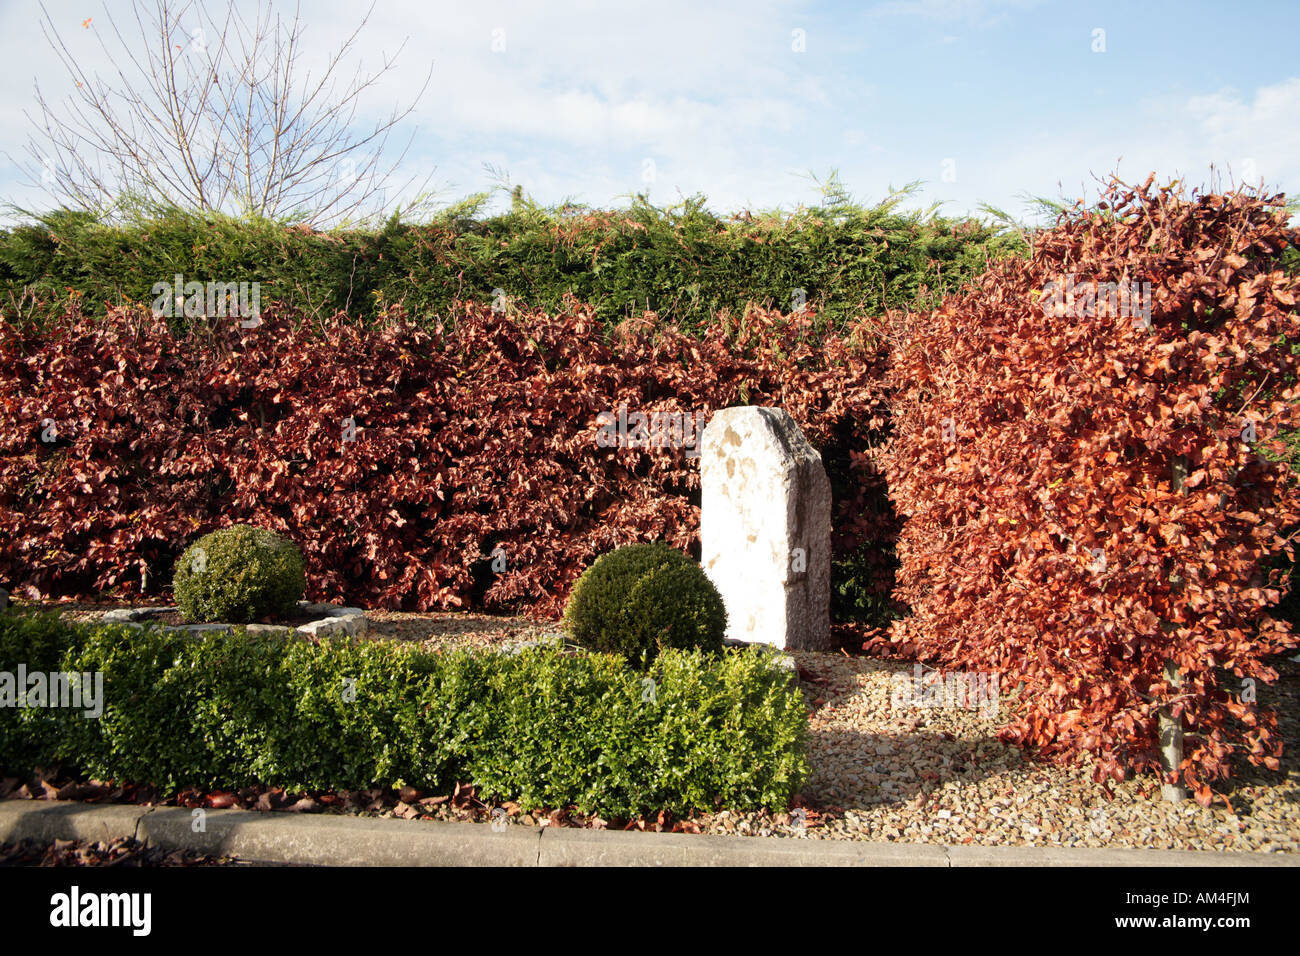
(330, 620)
(338, 840)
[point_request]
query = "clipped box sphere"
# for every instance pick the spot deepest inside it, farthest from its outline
(238, 575)
(642, 598)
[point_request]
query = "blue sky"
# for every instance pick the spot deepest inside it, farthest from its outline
(983, 100)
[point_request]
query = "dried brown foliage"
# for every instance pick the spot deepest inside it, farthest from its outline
(1046, 539)
(478, 436)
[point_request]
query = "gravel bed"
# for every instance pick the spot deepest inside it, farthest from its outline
(922, 775)
(435, 630)
(445, 630)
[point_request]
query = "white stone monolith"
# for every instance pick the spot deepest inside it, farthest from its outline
(765, 526)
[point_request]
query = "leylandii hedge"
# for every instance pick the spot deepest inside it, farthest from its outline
(683, 262)
(489, 459)
(1079, 468)
(695, 732)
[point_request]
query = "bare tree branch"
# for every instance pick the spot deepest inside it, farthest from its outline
(215, 112)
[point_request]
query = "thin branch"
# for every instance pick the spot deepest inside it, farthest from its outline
(225, 121)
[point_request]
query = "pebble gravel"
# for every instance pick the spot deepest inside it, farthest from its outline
(939, 775)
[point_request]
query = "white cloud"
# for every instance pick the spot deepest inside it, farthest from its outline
(707, 90)
(1176, 137)
(979, 12)
(714, 94)
(1261, 133)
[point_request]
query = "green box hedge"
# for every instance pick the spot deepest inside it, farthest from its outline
(695, 732)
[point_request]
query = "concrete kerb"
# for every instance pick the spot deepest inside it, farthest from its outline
(337, 840)
(66, 820)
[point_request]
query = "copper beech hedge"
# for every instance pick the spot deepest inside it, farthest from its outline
(417, 470)
(1084, 492)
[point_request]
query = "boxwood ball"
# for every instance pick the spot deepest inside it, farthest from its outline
(637, 600)
(239, 574)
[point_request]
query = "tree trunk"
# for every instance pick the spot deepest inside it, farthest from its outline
(1171, 728)
(1171, 743)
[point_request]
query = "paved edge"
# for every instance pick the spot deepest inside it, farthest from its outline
(338, 840)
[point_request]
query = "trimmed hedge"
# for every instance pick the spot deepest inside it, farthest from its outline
(636, 601)
(40, 642)
(682, 262)
(1086, 503)
(120, 442)
(695, 732)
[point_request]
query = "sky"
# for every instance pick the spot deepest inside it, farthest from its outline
(746, 101)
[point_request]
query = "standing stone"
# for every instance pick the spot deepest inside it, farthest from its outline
(765, 526)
